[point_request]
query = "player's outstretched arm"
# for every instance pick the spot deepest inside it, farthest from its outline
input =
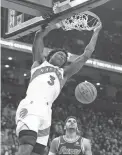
(38, 44)
(75, 66)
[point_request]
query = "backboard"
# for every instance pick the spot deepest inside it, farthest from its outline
(49, 11)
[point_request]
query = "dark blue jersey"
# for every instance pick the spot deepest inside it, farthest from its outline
(70, 148)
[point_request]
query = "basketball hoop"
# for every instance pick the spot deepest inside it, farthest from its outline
(82, 21)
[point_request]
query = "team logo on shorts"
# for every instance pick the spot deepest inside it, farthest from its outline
(23, 113)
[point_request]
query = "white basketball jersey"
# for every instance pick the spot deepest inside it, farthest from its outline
(45, 83)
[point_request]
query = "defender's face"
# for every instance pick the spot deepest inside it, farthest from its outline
(71, 124)
(58, 59)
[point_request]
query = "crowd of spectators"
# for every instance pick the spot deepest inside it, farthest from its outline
(102, 128)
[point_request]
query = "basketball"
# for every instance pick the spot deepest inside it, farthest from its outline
(85, 92)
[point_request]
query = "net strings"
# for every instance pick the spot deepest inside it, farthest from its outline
(79, 22)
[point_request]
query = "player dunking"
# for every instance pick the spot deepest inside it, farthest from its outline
(48, 76)
(70, 143)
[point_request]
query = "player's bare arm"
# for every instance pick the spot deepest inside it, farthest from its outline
(87, 147)
(75, 66)
(38, 44)
(54, 146)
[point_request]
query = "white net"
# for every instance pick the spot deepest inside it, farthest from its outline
(82, 21)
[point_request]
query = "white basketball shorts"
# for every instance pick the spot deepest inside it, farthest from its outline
(34, 116)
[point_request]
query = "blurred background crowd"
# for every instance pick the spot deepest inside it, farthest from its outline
(102, 125)
(103, 128)
(100, 121)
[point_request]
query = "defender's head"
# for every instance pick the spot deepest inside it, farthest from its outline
(57, 57)
(71, 123)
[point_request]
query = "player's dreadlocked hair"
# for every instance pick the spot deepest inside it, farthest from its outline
(55, 51)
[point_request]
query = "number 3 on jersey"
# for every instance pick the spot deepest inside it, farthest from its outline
(52, 79)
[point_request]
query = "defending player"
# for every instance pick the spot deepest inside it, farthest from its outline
(48, 76)
(70, 143)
